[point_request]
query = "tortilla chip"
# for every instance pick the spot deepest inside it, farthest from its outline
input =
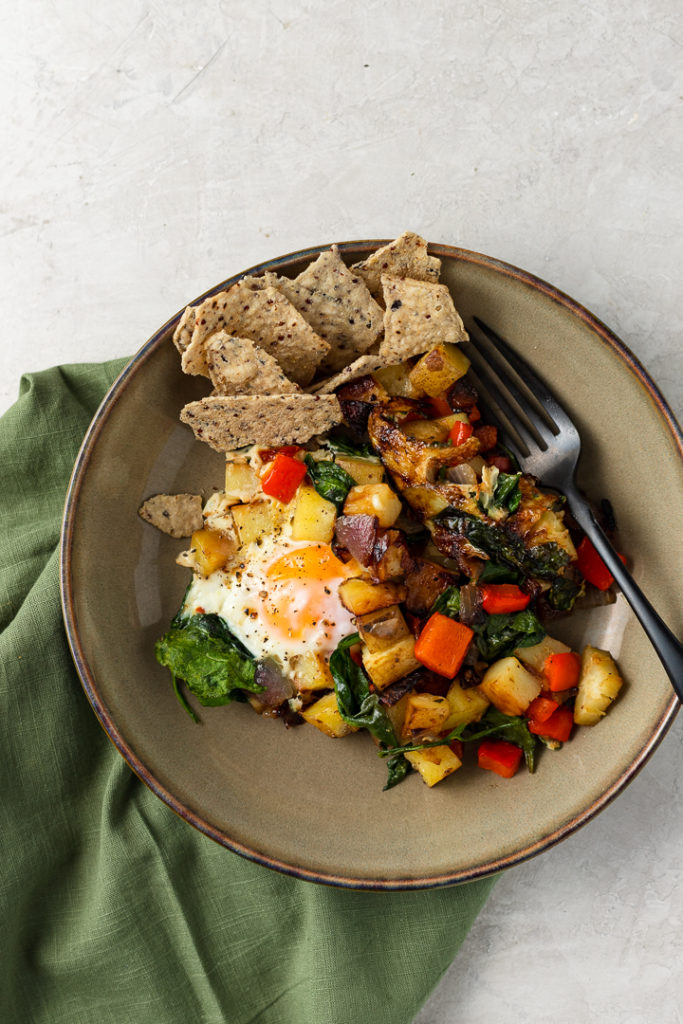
(359, 368)
(178, 515)
(264, 316)
(232, 422)
(405, 257)
(338, 306)
(418, 316)
(239, 367)
(183, 332)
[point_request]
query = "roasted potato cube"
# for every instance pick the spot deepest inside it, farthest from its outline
(535, 657)
(382, 628)
(599, 684)
(241, 482)
(325, 715)
(211, 550)
(374, 500)
(363, 471)
(254, 520)
(509, 686)
(465, 705)
(425, 712)
(397, 382)
(434, 763)
(386, 666)
(439, 369)
(361, 597)
(311, 672)
(313, 516)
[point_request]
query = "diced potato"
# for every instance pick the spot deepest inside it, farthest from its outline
(465, 705)
(397, 382)
(439, 369)
(535, 657)
(325, 715)
(382, 628)
(425, 711)
(599, 684)
(361, 597)
(509, 686)
(241, 482)
(311, 672)
(386, 666)
(313, 516)
(374, 500)
(363, 471)
(211, 550)
(434, 763)
(254, 520)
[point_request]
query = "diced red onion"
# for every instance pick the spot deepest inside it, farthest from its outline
(357, 534)
(277, 687)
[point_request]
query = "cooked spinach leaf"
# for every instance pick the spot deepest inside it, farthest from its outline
(543, 561)
(214, 665)
(330, 481)
(359, 706)
(494, 573)
(563, 593)
(493, 723)
(506, 494)
(344, 447)
(499, 635)
(448, 603)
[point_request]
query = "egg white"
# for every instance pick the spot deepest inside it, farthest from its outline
(273, 617)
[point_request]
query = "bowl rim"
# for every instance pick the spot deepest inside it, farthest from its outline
(89, 683)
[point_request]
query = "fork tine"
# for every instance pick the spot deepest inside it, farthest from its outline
(543, 399)
(499, 407)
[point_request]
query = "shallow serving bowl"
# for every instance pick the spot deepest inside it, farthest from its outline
(293, 799)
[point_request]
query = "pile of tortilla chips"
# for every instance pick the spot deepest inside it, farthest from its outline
(275, 349)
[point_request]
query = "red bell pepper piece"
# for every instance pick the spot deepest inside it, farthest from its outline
(460, 432)
(440, 405)
(499, 598)
(592, 567)
(268, 454)
(557, 727)
(442, 645)
(474, 414)
(541, 708)
(499, 756)
(562, 671)
(282, 478)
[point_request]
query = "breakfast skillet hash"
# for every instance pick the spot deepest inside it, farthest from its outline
(375, 559)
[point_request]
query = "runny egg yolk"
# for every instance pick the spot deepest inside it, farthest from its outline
(302, 594)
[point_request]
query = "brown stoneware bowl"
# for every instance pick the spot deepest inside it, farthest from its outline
(293, 799)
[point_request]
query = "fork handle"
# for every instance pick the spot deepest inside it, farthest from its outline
(669, 649)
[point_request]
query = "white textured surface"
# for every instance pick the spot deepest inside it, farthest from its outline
(150, 150)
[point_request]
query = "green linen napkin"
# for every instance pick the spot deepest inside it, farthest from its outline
(114, 911)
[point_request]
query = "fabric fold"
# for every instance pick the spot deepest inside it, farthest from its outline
(114, 910)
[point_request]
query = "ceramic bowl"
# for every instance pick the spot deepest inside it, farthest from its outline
(292, 799)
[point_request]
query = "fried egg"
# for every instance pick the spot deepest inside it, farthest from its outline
(281, 599)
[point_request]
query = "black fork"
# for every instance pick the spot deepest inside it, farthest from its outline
(545, 441)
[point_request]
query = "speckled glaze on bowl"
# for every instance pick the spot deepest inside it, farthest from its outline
(293, 799)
